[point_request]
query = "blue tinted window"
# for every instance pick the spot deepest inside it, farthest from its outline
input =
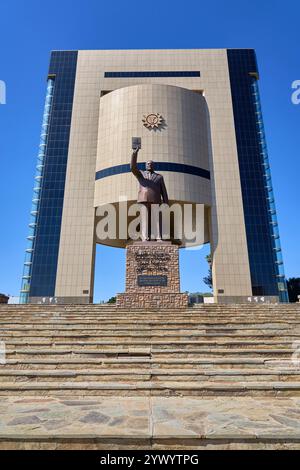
(151, 74)
(260, 234)
(46, 245)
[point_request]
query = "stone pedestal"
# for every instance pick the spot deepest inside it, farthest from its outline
(152, 277)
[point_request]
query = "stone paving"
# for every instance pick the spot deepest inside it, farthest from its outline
(151, 419)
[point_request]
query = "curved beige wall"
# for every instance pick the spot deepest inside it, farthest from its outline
(183, 139)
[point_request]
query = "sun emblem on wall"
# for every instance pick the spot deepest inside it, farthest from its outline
(153, 120)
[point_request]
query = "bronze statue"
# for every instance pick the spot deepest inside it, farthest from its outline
(152, 190)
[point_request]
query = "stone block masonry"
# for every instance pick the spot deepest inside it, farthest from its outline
(152, 277)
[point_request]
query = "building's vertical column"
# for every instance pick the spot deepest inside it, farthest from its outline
(269, 194)
(50, 181)
(75, 271)
(38, 182)
(264, 250)
(230, 263)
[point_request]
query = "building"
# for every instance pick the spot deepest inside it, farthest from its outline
(212, 151)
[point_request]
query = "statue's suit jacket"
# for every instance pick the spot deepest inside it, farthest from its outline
(152, 187)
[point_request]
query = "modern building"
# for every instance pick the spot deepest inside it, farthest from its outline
(210, 148)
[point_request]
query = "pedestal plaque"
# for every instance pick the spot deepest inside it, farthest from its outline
(144, 280)
(152, 277)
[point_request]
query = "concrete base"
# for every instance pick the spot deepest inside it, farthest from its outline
(256, 299)
(85, 299)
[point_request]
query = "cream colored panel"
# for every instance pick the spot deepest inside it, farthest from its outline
(228, 237)
(183, 138)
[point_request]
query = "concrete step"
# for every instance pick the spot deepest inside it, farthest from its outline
(280, 311)
(127, 324)
(214, 339)
(81, 363)
(148, 373)
(94, 311)
(187, 342)
(131, 324)
(149, 327)
(145, 325)
(139, 330)
(76, 307)
(155, 388)
(13, 331)
(157, 351)
(113, 316)
(97, 350)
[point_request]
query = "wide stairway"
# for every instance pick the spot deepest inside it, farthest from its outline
(97, 350)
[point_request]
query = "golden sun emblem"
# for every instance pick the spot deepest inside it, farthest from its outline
(153, 120)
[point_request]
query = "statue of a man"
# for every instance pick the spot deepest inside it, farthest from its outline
(152, 190)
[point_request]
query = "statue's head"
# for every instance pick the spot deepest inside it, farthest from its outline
(150, 165)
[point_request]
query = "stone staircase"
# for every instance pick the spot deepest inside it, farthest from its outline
(96, 350)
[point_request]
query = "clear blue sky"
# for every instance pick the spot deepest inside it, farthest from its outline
(31, 29)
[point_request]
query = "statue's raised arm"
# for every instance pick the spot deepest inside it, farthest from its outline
(152, 189)
(133, 163)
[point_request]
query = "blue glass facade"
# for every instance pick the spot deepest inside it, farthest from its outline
(48, 205)
(264, 250)
(34, 213)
